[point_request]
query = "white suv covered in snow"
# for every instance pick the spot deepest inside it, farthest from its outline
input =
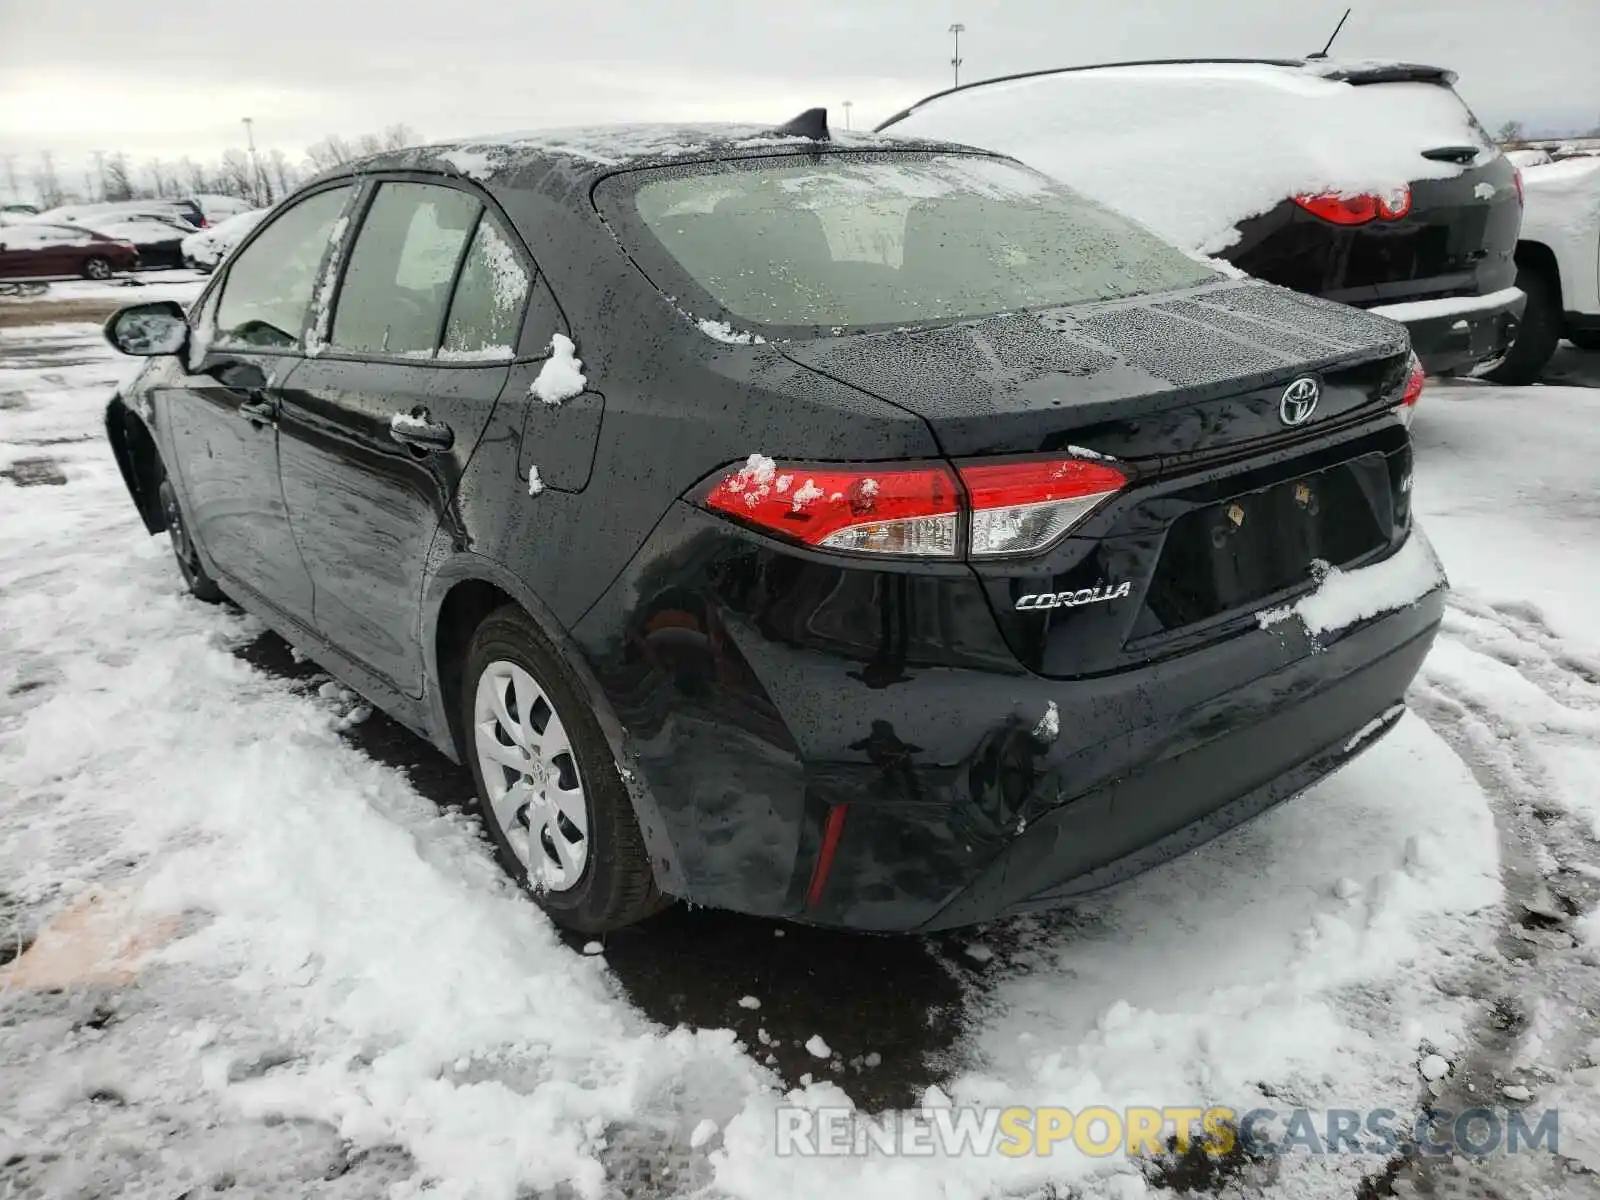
(1558, 265)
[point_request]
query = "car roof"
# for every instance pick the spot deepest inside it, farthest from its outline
(1350, 70)
(593, 152)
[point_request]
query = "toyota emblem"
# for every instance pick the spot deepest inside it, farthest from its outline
(1299, 401)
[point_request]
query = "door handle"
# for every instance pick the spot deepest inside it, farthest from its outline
(415, 429)
(259, 412)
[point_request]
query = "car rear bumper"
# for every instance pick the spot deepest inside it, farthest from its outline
(873, 792)
(1459, 332)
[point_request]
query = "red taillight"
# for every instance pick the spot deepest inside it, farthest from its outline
(1415, 379)
(1516, 178)
(1359, 209)
(1014, 506)
(886, 509)
(1023, 506)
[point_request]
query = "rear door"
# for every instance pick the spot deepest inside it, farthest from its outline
(423, 329)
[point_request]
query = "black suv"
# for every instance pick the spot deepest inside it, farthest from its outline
(1366, 182)
(873, 533)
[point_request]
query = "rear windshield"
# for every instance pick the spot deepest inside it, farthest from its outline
(861, 241)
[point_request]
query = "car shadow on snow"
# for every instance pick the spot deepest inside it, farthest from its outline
(888, 1009)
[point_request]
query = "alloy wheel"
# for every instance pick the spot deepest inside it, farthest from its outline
(536, 794)
(97, 268)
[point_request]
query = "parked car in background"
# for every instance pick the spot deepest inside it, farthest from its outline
(1558, 265)
(159, 238)
(1369, 183)
(82, 214)
(18, 209)
(205, 249)
(874, 532)
(40, 251)
(220, 208)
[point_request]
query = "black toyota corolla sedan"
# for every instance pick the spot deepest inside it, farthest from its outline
(863, 531)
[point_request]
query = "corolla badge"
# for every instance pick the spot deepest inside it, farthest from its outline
(1095, 595)
(1299, 401)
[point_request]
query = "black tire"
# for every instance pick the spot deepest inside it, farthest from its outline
(616, 887)
(201, 585)
(97, 268)
(1585, 339)
(1537, 334)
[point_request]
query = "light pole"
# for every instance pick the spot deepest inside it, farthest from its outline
(255, 167)
(847, 107)
(955, 59)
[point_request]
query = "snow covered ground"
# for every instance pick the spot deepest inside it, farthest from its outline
(128, 289)
(258, 959)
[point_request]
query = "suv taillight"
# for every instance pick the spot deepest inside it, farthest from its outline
(1007, 506)
(1359, 209)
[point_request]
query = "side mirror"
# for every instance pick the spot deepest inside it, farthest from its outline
(145, 330)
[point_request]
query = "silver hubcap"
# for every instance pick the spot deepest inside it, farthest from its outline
(535, 792)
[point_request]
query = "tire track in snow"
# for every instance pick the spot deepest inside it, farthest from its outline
(1515, 703)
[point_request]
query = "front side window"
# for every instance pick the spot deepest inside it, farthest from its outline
(397, 285)
(486, 314)
(873, 240)
(268, 290)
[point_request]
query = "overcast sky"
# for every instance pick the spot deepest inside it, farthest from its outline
(164, 79)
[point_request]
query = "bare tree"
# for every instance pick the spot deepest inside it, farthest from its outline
(237, 177)
(398, 137)
(332, 151)
(46, 183)
(1511, 131)
(282, 173)
(119, 184)
(192, 174)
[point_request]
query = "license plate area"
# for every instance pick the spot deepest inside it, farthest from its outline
(1237, 552)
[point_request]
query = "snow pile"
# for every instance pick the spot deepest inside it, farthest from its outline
(1345, 597)
(406, 421)
(1049, 726)
(757, 478)
(725, 332)
(561, 377)
(474, 164)
(1192, 149)
(535, 484)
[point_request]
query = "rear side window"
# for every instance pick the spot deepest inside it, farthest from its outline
(486, 314)
(863, 241)
(268, 290)
(396, 286)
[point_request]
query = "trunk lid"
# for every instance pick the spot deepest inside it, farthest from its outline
(1175, 375)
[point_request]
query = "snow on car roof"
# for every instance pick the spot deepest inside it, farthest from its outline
(1193, 148)
(601, 148)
